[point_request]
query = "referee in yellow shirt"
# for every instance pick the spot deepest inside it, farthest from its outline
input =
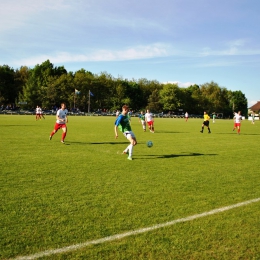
(205, 122)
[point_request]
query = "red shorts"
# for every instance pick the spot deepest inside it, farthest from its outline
(237, 124)
(59, 126)
(150, 123)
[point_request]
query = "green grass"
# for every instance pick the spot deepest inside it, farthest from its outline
(54, 195)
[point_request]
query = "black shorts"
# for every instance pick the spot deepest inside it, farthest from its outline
(206, 123)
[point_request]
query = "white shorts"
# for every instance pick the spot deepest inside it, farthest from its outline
(127, 134)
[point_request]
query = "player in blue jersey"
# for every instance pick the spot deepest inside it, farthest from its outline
(142, 120)
(122, 123)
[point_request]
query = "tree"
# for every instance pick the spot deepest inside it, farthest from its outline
(191, 97)
(216, 98)
(170, 97)
(238, 102)
(135, 94)
(47, 86)
(148, 87)
(8, 88)
(118, 94)
(35, 90)
(154, 103)
(82, 82)
(21, 77)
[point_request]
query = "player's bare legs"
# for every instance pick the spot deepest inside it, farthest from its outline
(64, 129)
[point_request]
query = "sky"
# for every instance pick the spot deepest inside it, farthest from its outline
(176, 41)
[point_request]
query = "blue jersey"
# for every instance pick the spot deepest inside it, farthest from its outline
(142, 117)
(123, 124)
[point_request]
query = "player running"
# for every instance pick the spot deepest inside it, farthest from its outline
(149, 120)
(37, 113)
(122, 123)
(41, 114)
(237, 121)
(61, 120)
(142, 120)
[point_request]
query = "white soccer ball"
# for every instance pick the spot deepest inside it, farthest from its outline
(149, 144)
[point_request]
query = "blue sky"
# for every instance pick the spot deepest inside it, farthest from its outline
(181, 41)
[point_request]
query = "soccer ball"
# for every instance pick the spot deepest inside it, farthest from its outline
(149, 144)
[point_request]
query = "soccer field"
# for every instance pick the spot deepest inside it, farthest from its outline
(85, 200)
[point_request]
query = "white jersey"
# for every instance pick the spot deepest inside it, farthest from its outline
(186, 114)
(148, 117)
(237, 118)
(38, 110)
(62, 114)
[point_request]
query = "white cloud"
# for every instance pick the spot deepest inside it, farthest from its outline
(180, 84)
(132, 53)
(236, 47)
(14, 14)
(221, 63)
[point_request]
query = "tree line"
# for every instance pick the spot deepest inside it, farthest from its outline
(48, 86)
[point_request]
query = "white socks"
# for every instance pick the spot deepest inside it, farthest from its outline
(130, 148)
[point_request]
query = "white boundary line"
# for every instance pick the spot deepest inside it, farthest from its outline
(133, 232)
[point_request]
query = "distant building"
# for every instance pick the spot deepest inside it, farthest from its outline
(255, 108)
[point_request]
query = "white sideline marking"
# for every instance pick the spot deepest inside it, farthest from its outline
(133, 232)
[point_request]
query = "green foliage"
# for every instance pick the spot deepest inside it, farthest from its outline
(46, 86)
(170, 97)
(154, 101)
(8, 91)
(36, 90)
(215, 98)
(239, 102)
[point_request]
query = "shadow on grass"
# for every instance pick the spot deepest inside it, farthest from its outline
(111, 143)
(249, 134)
(235, 133)
(168, 156)
(16, 125)
(170, 132)
(97, 143)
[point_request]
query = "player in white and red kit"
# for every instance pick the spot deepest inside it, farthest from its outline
(186, 116)
(149, 120)
(237, 121)
(37, 113)
(41, 114)
(61, 120)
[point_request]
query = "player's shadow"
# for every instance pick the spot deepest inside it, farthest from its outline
(168, 156)
(76, 143)
(170, 132)
(248, 134)
(110, 143)
(235, 133)
(97, 143)
(16, 125)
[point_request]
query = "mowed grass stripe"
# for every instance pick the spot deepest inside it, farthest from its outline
(134, 232)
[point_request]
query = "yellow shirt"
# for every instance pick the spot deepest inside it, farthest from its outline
(206, 117)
